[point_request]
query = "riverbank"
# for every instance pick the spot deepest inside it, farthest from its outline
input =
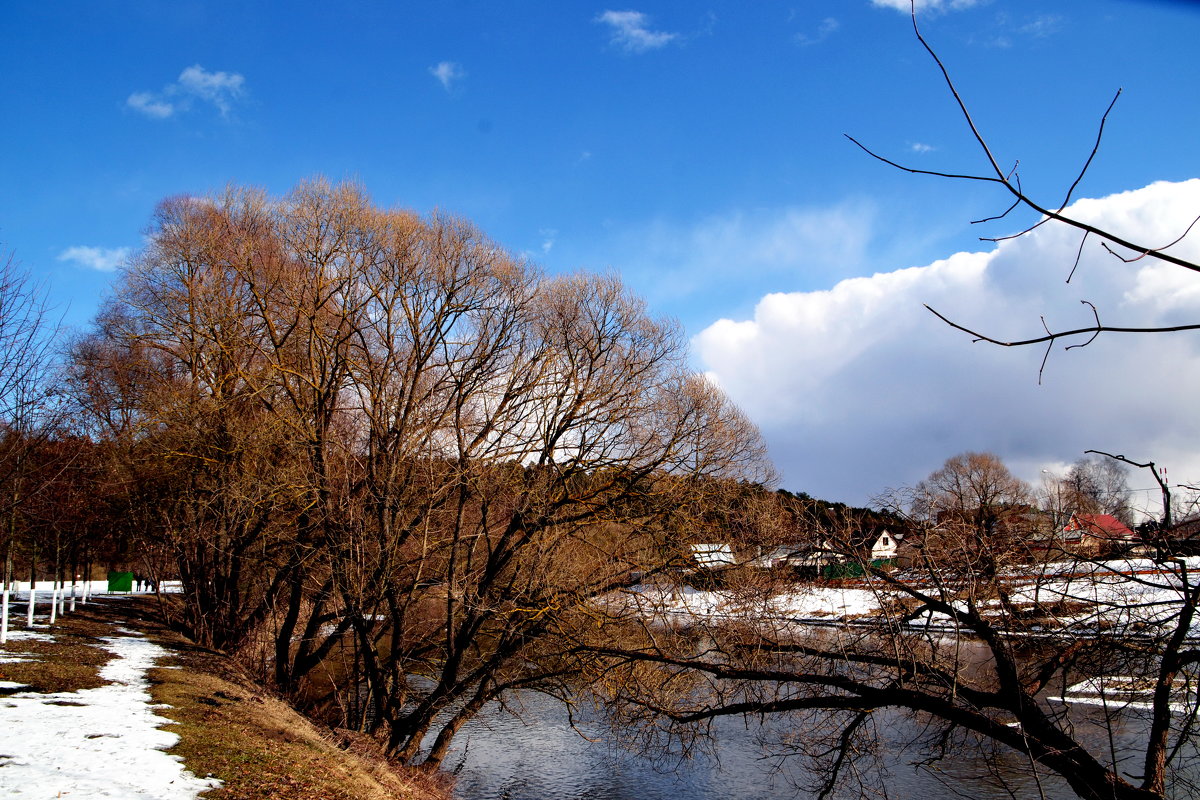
(94, 699)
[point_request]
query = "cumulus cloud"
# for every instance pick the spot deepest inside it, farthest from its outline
(218, 89)
(630, 31)
(103, 259)
(448, 73)
(858, 388)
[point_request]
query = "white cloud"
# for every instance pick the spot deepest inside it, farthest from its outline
(921, 147)
(630, 31)
(827, 28)
(1042, 26)
(926, 5)
(859, 388)
(218, 89)
(549, 236)
(448, 73)
(103, 259)
(151, 105)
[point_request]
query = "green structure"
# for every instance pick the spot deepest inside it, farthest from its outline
(120, 581)
(852, 569)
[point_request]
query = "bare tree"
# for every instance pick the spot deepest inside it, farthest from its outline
(1096, 485)
(1007, 180)
(396, 448)
(1085, 670)
(27, 334)
(171, 376)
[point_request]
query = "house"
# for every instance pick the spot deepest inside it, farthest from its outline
(886, 544)
(713, 556)
(1096, 534)
(876, 546)
(780, 557)
(1084, 536)
(878, 543)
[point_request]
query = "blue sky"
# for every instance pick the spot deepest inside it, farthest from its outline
(694, 147)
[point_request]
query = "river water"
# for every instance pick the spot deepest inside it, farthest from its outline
(539, 756)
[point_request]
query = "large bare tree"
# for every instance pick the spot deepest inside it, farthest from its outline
(400, 464)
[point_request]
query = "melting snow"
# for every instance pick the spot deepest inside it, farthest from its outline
(103, 742)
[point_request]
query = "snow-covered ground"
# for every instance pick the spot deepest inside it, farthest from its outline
(1114, 592)
(102, 742)
(66, 598)
(810, 602)
(1133, 592)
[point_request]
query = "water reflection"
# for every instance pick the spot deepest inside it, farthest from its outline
(540, 757)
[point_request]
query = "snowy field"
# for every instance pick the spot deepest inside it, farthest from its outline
(810, 603)
(1114, 592)
(102, 742)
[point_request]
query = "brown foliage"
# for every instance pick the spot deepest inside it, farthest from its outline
(384, 442)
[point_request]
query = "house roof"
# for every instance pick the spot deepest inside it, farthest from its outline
(1100, 525)
(713, 555)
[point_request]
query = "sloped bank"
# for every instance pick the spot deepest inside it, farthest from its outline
(229, 728)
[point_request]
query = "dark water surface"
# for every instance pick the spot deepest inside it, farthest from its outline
(540, 757)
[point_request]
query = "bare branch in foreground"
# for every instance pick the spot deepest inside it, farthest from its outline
(1010, 181)
(1159, 478)
(1052, 336)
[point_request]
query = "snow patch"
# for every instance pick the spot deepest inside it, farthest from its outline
(103, 742)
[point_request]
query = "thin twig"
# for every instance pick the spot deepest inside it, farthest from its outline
(915, 171)
(1011, 181)
(1078, 255)
(1095, 149)
(962, 106)
(1099, 327)
(1154, 251)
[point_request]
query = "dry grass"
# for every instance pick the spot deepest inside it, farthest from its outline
(68, 663)
(229, 728)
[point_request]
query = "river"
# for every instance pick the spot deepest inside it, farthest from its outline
(539, 756)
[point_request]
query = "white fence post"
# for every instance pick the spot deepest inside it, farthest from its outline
(32, 601)
(53, 605)
(4, 617)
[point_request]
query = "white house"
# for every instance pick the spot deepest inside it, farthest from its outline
(713, 556)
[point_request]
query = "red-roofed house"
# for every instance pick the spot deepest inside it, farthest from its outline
(1092, 534)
